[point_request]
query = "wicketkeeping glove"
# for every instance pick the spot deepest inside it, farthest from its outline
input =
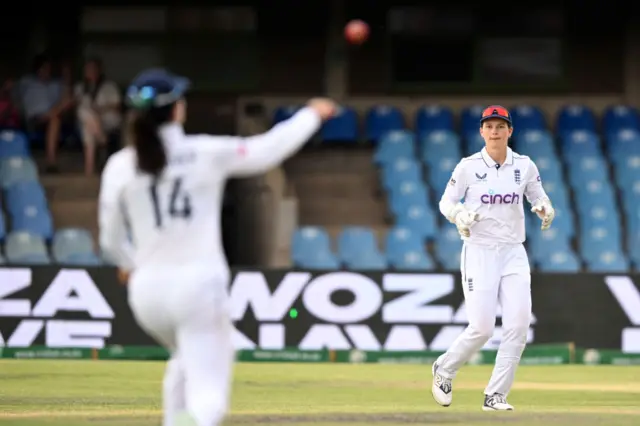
(545, 211)
(464, 220)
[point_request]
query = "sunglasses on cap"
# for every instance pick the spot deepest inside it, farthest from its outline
(496, 111)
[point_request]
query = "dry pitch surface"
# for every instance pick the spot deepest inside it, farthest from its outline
(101, 393)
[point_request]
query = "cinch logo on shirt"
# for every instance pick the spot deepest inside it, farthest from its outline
(492, 198)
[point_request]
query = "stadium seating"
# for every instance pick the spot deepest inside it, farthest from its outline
(26, 226)
(589, 163)
(74, 246)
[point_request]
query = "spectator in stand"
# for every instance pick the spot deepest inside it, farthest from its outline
(9, 110)
(99, 114)
(44, 104)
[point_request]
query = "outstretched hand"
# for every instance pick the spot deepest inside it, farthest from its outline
(326, 108)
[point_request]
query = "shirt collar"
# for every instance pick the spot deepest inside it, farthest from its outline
(489, 161)
(171, 132)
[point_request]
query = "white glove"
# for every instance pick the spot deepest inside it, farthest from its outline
(464, 220)
(545, 211)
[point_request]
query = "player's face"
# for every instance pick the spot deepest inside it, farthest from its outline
(496, 133)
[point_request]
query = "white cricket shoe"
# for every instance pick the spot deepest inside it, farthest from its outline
(496, 402)
(441, 387)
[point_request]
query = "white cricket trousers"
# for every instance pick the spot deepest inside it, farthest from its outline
(186, 309)
(491, 276)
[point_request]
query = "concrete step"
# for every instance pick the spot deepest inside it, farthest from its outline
(330, 161)
(82, 213)
(353, 185)
(327, 210)
(70, 186)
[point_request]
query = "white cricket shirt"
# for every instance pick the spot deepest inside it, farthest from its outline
(497, 194)
(176, 219)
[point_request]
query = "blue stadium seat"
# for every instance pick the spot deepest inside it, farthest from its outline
(627, 170)
(321, 260)
(33, 219)
(72, 245)
(3, 227)
(367, 261)
(580, 143)
(631, 211)
(421, 220)
(560, 260)
(82, 259)
(440, 173)
(354, 241)
(575, 117)
(407, 194)
(433, 117)
(619, 117)
(631, 208)
(448, 247)
(540, 242)
(13, 144)
(634, 248)
(393, 145)
(609, 261)
(587, 168)
(470, 119)
(284, 112)
(381, 119)
(557, 191)
(17, 169)
(400, 240)
(596, 241)
(535, 143)
(26, 248)
(527, 117)
(414, 260)
(400, 170)
(549, 167)
(474, 142)
(602, 215)
(23, 194)
(341, 128)
(630, 190)
(594, 192)
(308, 240)
(622, 144)
(439, 143)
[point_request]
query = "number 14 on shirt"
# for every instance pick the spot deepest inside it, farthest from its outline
(176, 206)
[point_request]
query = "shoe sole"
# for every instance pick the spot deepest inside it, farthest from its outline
(485, 408)
(433, 374)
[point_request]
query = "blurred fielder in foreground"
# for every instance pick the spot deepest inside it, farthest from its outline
(494, 264)
(167, 189)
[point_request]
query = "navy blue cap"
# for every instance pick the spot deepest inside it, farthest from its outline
(156, 87)
(496, 111)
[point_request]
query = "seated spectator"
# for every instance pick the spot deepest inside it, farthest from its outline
(9, 110)
(99, 113)
(44, 105)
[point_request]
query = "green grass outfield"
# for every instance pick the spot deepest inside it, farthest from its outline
(100, 393)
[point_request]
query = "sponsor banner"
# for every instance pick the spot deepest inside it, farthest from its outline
(533, 355)
(317, 311)
(47, 353)
(420, 311)
(607, 356)
(65, 308)
(288, 355)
